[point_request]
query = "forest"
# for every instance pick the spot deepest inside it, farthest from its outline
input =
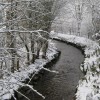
(27, 28)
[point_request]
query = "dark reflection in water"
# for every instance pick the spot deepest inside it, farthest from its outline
(61, 86)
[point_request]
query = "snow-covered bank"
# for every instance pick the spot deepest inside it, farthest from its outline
(88, 87)
(13, 81)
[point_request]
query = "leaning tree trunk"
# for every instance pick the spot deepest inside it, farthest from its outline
(26, 47)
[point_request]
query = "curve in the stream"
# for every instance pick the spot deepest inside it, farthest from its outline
(60, 86)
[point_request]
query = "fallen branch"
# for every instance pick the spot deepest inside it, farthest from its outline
(52, 71)
(36, 91)
(22, 94)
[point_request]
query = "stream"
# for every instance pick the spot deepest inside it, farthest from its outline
(61, 86)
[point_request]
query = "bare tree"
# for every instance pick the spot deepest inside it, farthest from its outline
(11, 39)
(27, 25)
(93, 5)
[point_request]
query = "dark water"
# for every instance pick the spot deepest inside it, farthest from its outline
(61, 86)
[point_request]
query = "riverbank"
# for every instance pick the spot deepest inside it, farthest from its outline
(13, 81)
(60, 86)
(88, 87)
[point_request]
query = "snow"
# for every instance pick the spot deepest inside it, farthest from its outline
(89, 86)
(13, 81)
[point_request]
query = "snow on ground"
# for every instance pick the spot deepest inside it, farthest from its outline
(89, 86)
(12, 81)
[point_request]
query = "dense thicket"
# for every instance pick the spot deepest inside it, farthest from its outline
(25, 28)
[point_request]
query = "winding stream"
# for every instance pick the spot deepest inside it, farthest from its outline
(60, 86)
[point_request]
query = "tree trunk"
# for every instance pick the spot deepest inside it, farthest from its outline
(28, 54)
(79, 28)
(32, 35)
(32, 50)
(11, 41)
